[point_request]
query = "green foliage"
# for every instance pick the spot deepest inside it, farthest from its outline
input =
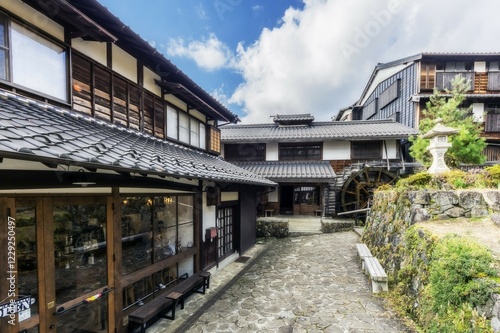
(272, 229)
(413, 274)
(467, 145)
(415, 181)
(451, 180)
(491, 176)
(328, 228)
(458, 319)
(459, 273)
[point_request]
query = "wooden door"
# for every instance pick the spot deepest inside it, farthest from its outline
(58, 255)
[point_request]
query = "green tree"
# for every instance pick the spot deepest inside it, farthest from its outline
(467, 145)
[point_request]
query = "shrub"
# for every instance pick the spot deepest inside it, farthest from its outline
(454, 179)
(459, 273)
(272, 229)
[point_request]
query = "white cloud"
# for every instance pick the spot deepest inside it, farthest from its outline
(209, 54)
(220, 95)
(320, 58)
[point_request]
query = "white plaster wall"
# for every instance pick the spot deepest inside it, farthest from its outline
(209, 215)
(198, 115)
(273, 196)
(34, 17)
(229, 196)
(177, 102)
(336, 150)
(94, 50)
(149, 81)
(392, 149)
(272, 151)
(478, 112)
(124, 63)
(186, 266)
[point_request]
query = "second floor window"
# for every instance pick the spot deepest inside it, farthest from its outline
(300, 151)
(366, 150)
(245, 152)
(31, 61)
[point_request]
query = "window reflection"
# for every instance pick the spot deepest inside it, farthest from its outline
(154, 229)
(80, 250)
(26, 261)
(137, 232)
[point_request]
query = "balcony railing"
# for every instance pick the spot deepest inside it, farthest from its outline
(443, 79)
(494, 81)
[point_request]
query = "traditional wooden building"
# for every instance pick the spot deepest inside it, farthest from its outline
(400, 89)
(321, 167)
(111, 184)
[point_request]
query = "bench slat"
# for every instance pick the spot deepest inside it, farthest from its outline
(377, 274)
(149, 310)
(363, 250)
(162, 304)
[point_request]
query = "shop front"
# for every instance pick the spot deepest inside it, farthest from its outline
(68, 274)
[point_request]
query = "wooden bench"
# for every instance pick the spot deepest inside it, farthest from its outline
(377, 275)
(363, 253)
(158, 306)
(162, 305)
(187, 285)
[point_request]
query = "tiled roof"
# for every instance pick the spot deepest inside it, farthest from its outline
(338, 130)
(276, 170)
(35, 131)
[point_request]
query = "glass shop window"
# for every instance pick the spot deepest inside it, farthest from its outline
(26, 260)
(137, 231)
(80, 249)
(155, 228)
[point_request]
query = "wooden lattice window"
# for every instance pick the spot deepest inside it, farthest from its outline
(366, 150)
(245, 152)
(214, 140)
(300, 151)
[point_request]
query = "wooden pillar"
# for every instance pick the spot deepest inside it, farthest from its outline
(114, 254)
(198, 226)
(6, 211)
(46, 268)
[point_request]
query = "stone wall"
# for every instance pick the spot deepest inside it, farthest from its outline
(393, 213)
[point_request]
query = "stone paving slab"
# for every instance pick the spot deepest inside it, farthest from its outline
(301, 284)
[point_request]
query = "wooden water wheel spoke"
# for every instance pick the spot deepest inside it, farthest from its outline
(359, 186)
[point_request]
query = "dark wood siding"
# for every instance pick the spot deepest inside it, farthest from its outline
(82, 85)
(492, 123)
(494, 81)
(247, 233)
(120, 101)
(403, 103)
(103, 94)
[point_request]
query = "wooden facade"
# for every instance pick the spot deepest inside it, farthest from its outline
(99, 226)
(417, 78)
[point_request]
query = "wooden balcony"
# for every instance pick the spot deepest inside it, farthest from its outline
(443, 79)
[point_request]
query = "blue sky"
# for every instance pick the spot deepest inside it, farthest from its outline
(267, 57)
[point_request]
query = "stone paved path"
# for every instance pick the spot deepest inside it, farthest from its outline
(302, 284)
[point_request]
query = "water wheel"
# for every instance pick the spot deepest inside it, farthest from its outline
(359, 186)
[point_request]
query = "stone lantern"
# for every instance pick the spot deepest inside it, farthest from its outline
(438, 146)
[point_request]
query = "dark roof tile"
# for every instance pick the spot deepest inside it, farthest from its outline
(51, 134)
(279, 170)
(322, 131)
